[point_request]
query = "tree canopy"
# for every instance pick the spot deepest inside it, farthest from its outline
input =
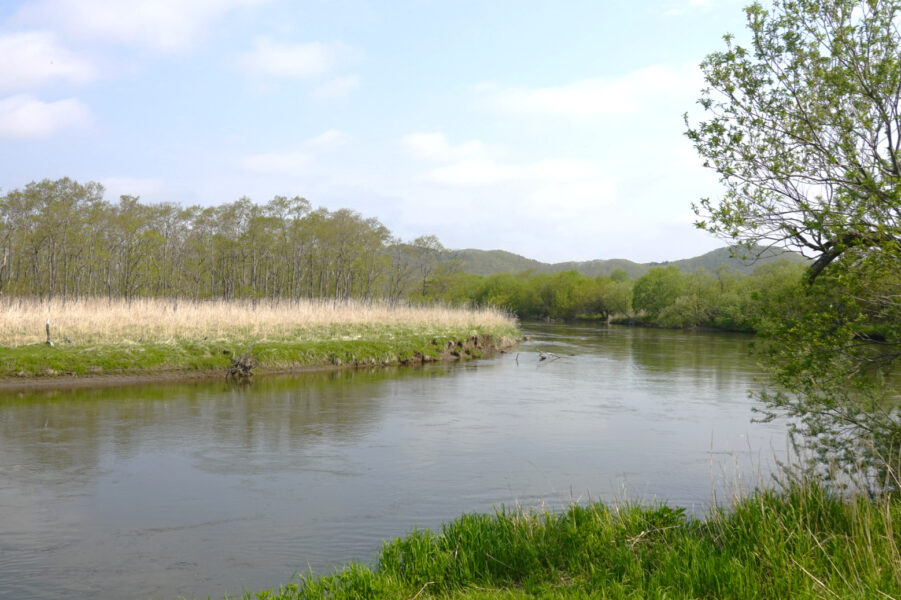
(803, 127)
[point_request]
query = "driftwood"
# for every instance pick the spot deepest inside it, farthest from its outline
(241, 368)
(542, 355)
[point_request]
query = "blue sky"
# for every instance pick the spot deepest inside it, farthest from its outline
(553, 130)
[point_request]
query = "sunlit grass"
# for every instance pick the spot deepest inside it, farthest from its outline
(802, 542)
(98, 321)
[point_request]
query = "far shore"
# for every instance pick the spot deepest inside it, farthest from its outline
(454, 350)
(96, 342)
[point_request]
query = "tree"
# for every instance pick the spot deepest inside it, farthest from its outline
(658, 289)
(804, 129)
(697, 303)
(427, 250)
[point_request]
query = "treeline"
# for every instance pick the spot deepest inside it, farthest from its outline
(62, 239)
(664, 296)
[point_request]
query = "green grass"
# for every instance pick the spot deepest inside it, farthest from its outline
(335, 345)
(800, 543)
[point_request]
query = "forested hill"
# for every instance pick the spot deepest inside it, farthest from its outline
(489, 262)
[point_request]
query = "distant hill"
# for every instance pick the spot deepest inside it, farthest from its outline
(489, 262)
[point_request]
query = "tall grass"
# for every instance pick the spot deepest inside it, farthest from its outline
(94, 321)
(800, 542)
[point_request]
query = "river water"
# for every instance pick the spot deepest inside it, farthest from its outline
(204, 489)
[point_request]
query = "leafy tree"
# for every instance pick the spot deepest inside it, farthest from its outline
(619, 276)
(427, 250)
(611, 297)
(658, 289)
(804, 128)
(696, 304)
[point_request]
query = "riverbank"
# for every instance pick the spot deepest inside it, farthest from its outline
(800, 543)
(95, 340)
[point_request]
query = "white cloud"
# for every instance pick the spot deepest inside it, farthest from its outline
(435, 146)
(29, 60)
(161, 24)
(629, 95)
(565, 202)
(24, 117)
(277, 162)
(474, 173)
(293, 161)
(131, 186)
(474, 163)
(328, 139)
(338, 88)
(292, 60)
(675, 8)
(563, 169)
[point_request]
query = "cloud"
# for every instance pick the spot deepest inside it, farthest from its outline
(29, 60)
(277, 162)
(435, 146)
(563, 169)
(294, 60)
(24, 117)
(131, 186)
(566, 201)
(629, 95)
(165, 25)
(675, 8)
(475, 163)
(293, 161)
(328, 139)
(474, 173)
(338, 88)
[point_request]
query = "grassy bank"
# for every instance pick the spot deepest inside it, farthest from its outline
(802, 543)
(97, 337)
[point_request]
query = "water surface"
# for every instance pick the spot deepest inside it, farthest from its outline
(206, 488)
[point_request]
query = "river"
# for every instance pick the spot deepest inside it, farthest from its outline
(202, 489)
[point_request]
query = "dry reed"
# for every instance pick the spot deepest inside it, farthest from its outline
(22, 321)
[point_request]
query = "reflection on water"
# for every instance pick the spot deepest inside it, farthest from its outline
(204, 488)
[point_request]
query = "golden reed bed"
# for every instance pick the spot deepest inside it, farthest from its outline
(22, 321)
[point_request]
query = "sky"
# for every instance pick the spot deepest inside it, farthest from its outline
(550, 129)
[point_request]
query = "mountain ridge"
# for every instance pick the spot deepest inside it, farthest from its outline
(490, 262)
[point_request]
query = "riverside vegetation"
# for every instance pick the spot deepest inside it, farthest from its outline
(141, 288)
(663, 297)
(98, 336)
(801, 542)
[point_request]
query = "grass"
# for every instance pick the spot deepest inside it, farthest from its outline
(802, 542)
(150, 335)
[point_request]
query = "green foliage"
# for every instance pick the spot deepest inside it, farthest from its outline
(665, 297)
(340, 344)
(800, 543)
(657, 289)
(61, 239)
(564, 296)
(803, 127)
(834, 359)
